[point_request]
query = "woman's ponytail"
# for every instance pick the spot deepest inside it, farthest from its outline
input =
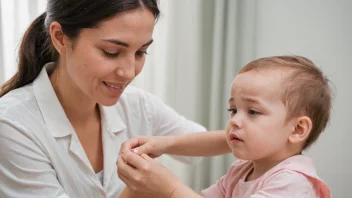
(35, 51)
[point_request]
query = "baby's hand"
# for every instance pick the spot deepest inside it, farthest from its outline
(154, 146)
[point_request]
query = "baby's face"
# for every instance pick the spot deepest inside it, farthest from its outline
(257, 127)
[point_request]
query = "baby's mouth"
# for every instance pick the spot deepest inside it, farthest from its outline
(235, 137)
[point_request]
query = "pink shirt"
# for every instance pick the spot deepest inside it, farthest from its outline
(293, 177)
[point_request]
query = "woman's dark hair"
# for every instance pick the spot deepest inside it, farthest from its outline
(36, 48)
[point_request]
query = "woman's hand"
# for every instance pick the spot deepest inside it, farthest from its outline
(154, 146)
(145, 176)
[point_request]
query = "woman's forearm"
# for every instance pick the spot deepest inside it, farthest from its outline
(183, 191)
(199, 144)
(126, 193)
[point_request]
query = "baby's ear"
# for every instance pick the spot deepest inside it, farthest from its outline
(302, 127)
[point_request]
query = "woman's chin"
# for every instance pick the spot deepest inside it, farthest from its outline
(108, 101)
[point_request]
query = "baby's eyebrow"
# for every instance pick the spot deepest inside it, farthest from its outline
(247, 99)
(251, 100)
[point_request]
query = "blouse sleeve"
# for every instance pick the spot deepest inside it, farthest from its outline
(25, 170)
(216, 190)
(224, 186)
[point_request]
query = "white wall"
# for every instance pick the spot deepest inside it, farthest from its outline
(16, 16)
(322, 31)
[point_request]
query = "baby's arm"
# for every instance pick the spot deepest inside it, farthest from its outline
(195, 144)
(199, 144)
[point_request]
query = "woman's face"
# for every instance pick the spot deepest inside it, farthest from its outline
(103, 60)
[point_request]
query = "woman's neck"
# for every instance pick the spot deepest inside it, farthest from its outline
(78, 107)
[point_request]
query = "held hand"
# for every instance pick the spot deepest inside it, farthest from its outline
(154, 146)
(145, 176)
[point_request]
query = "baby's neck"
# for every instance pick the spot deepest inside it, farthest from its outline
(261, 166)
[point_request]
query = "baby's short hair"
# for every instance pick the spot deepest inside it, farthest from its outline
(306, 90)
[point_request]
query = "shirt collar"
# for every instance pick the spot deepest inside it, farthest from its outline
(54, 115)
(111, 119)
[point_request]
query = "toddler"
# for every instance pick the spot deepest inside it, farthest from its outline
(278, 108)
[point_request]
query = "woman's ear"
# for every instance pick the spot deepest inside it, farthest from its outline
(302, 128)
(58, 37)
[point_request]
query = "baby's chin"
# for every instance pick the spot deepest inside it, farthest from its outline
(242, 156)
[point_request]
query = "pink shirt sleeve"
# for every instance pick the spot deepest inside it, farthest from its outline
(223, 187)
(286, 183)
(216, 190)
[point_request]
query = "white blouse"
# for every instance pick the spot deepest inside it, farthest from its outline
(41, 155)
(100, 177)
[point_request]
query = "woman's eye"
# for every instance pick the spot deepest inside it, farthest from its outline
(252, 112)
(232, 111)
(141, 53)
(110, 55)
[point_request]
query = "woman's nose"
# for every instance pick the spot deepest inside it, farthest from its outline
(126, 69)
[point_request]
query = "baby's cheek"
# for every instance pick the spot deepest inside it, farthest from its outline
(227, 131)
(228, 127)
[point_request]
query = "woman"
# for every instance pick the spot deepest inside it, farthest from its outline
(65, 113)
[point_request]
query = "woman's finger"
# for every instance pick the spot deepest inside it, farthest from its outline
(126, 169)
(123, 177)
(134, 160)
(129, 144)
(147, 157)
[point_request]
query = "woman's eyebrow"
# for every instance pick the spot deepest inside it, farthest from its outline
(148, 43)
(124, 44)
(117, 42)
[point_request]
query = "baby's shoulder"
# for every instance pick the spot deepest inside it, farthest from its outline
(288, 176)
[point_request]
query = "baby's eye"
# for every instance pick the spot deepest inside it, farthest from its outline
(232, 111)
(252, 112)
